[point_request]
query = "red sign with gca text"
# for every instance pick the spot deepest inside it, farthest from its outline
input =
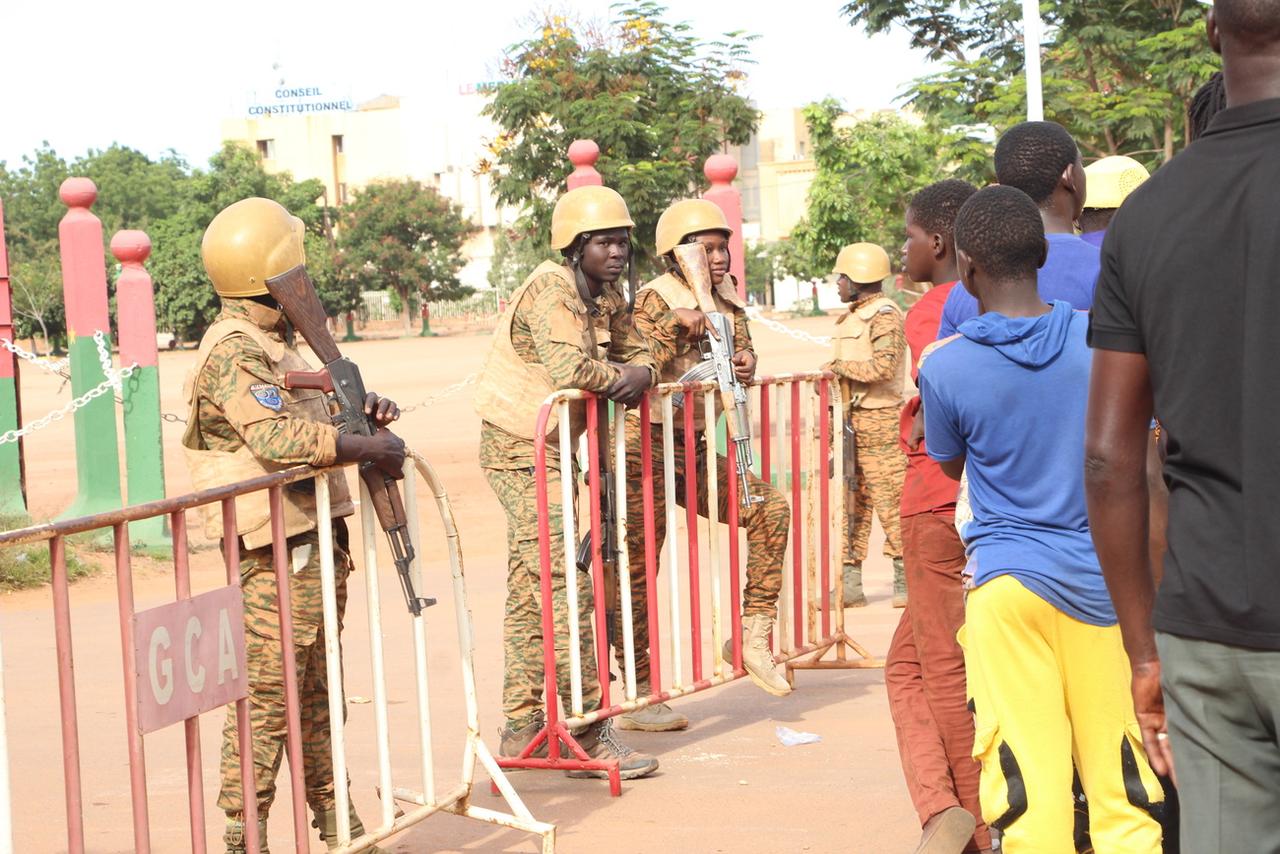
(190, 657)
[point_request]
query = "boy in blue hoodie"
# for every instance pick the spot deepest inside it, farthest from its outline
(1047, 674)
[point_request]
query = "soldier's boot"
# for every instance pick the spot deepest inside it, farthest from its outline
(658, 717)
(851, 576)
(601, 742)
(234, 837)
(757, 657)
(512, 742)
(326, 821)
(899, 584)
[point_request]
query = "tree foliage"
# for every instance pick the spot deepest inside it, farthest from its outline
(867, 171)
(404, 236)
(1118, 74)
(165, 197)
(656, 99)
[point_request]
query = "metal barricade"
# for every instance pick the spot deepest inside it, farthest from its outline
(799, 450)
(421, 800)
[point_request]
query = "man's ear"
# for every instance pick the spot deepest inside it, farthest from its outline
(1044, 254)
(1211, 30)
(1068, 180)
(939, 244)
(967, 270)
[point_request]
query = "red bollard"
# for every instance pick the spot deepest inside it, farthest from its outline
(13, 483)
(720, 170)
(84, 288)
(583, 154)
(136, 318)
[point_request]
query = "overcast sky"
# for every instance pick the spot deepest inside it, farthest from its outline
(156, 74)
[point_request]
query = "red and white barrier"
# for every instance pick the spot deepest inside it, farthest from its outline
(187, 658)
(795, 440)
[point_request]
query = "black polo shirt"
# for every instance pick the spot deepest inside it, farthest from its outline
(1191, 277)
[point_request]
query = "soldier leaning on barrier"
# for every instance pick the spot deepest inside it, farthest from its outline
(870, 359)
(567, 327)
(244, 423)
(668, 317)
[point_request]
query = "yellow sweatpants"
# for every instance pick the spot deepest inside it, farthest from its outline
(1048, 690)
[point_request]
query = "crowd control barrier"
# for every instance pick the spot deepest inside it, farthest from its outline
(799, 448)
(187, 657)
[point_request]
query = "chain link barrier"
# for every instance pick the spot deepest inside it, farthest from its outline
(447, 391)
(757, 316)
(56, 366)
(114, 380)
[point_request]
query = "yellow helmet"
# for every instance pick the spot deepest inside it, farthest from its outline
(685, 217)
(249, 242)
(863, 263)
(591, 208)
(1109, 181)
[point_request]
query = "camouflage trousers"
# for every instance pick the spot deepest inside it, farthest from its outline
(767, 522)
(523, 673)
(880, 469)
(267, 720)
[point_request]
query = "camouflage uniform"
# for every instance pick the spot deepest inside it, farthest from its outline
(880, 465)
(545, 328)
(767, 522)
(231, 413)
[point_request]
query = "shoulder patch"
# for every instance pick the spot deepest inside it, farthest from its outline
(268, 395)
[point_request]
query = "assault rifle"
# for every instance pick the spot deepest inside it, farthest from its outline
(341, 378)
(717, 355)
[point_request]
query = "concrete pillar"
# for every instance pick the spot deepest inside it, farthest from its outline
(84, 290)
(13, 488)
(720, 170)
(143, 445)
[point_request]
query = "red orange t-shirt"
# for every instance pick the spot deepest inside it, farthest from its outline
(926, 489)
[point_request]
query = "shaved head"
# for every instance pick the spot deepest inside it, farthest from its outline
(1252, 20)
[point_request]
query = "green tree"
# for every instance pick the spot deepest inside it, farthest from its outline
(407, 237)
(514, 257)
(185, 301)
(655, 98)
(867, 171)
(1118, 74)
(36, 283)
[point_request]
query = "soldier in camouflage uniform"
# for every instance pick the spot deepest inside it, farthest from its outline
(870, 360)
(243, 424)
(667, 316)
(566, 327)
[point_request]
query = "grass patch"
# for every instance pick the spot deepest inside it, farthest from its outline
(23, 567)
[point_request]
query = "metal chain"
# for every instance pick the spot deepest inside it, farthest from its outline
(58, 414)
(41, 362)
(104, 357)
(447, 391)
(757, 316)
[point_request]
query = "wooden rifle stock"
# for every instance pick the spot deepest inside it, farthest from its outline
(296, 295)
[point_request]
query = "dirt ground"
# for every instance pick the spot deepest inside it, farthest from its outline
(726, 784)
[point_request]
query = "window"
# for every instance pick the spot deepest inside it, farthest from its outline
(342, 194)
(267, 149)
(337, 143)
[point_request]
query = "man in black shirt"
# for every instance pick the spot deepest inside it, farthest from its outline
(1183, 324)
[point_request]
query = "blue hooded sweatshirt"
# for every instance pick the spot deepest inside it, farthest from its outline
(1009, 395)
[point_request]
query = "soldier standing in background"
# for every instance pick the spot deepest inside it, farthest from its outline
(668, 318)
(567, 327)
(244, 423)
(871, 362)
